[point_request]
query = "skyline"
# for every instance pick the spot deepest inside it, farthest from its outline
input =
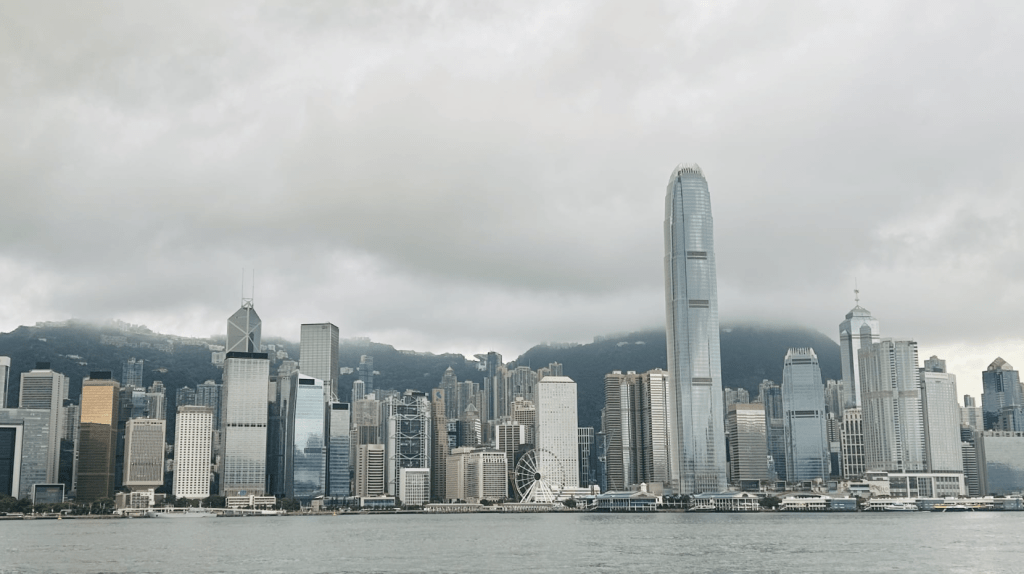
(448, 164)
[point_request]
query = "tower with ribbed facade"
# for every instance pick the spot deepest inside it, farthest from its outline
(694, 359)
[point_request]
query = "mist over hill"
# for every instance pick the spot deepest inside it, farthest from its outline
(750, 353)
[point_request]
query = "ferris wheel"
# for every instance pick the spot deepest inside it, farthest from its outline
(538, 476)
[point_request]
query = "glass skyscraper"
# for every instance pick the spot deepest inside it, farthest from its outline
(803, 404)
(1000, 390)
(309, 448)
(859, 330)
(694, 359)
(339, 448)
(244, 329)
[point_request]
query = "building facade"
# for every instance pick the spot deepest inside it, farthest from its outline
(941, 414)
(803, 405)
(318, 354)
(24, 454)
(1001, 391)
(557, 431)
(339, 467)
(748, 444)
(859, 330)
(408, 435)
(370, 470)
(694, 356)
(144, 447)
(246, 383)
(306, 464)
(98, 437)
(42, 388)
(193, 451)
(893, 420)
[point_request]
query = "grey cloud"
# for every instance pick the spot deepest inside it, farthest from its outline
(479, 175)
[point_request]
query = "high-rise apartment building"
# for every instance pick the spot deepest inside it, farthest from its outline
(524, 413)
(1001, 391)
(748, 444)
(246, 380)
(339, 448)
(859, 330)
(893, 420)
(144, 447)
(770, 395)
(193, 449)
(208, 395)
(803, 406)
(244, 330)
(318, 354)
(45, 389)
(557, 431)
(306, 463)
(370, 470)
(98, 437)
(941, 414)
(694, 356)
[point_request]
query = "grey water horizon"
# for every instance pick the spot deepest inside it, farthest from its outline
(650, 543)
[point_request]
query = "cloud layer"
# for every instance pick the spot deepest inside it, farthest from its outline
(455, 176)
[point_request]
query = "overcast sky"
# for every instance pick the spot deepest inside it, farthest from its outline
(472, 176)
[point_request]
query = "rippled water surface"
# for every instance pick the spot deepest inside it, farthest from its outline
(563, 543)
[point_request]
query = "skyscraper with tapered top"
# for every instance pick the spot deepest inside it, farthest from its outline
(694, 359)
(859, 330)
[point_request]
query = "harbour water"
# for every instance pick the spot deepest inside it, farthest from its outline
(562, 543)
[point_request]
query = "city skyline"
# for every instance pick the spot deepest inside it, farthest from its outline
(520, 133)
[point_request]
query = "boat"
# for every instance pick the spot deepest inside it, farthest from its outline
(180, 513)
(954, 508)
(901, 507)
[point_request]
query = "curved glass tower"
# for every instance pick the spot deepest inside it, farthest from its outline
(694, 360)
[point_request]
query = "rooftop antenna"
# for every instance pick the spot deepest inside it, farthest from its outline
(856, 292)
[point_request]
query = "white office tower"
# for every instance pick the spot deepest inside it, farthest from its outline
(318, 353)
(694, 358)
(244, 329)
(941, 418)
(306, 460)
(246, 380)
(5, 379)
(859, 330)
(44, 389)
(193, 447)
(144, 442)
(414, 486)
(852, 441)
(891, 404)
(339, 468)
(557, 432)
(803, 412)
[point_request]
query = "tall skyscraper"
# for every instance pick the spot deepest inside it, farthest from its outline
(45, 389)
(852, 441)
(803, 405)
(306, 464)
(439, 444)
(98, 436)
(941, 414)
(131, 373)
(339, 448)
(365, 371)
(971, 414)
(193, 449)
(694, 357)
(408, 435)
(586, 454)
(557, 431)
(856, 332)
(318, 354)
(244, 329)
(5, 379)
(770, 395)
(144, 453)
(246, 380)
(208, 395)
(1000, 390)
(892, 411)
(636, 427)
(748, 445)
